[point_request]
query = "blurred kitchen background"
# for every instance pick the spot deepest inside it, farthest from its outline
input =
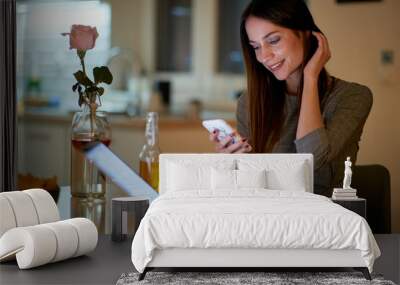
(182, 58)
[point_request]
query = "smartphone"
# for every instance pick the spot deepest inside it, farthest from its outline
(223, 127)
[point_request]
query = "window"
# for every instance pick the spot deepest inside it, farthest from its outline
(45, 67)
(45, 64)
(229, 51)
(173, 35)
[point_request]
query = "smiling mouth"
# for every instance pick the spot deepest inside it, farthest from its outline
(276, 66)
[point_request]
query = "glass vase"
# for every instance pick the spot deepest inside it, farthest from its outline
(88, 126)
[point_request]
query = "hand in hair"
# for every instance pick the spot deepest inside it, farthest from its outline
(227, 146)
(319, 59)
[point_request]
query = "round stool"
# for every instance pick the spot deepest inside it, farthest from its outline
(126, 213)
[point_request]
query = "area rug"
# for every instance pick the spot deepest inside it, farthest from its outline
(244, 278)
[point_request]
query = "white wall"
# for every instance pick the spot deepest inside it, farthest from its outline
(356, 32)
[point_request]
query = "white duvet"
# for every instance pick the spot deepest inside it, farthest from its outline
(251, 218)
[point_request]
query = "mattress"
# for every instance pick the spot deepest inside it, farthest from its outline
(251, 219)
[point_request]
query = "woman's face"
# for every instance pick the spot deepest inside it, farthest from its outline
(279, 49)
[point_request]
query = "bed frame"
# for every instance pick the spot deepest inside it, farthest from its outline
(248, 259)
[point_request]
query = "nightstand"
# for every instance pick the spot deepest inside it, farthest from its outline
(358, 205)
(127, 211)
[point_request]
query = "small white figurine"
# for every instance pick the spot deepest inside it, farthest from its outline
(347, 174)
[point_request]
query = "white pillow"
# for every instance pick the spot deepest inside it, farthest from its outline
(292, 179)
(189, 176)
(237, 179)
(251, 178)
(182, 177)
(281, 175)
(223, 179)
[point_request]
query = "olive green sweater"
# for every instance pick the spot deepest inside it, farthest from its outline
(344, 109)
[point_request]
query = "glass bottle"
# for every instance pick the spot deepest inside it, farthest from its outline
(148, 157)
(88, 125)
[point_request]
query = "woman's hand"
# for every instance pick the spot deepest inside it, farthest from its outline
(227, 146)
(310, 117)
(319, 59)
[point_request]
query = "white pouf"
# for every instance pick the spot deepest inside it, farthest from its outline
(7, 218)
(23, 208)
(45, 205)
(67, 238)
(31, 232)
(87, 234)
(40, 244)
(33, 246)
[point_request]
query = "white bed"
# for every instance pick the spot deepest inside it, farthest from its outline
(200, 220)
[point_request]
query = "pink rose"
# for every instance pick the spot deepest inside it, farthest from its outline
(82, 37)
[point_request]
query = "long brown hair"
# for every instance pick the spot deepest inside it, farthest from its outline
(265, 93)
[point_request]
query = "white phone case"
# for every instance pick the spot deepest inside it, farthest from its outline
(224, 128)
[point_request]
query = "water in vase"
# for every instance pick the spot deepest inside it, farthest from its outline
(86, 180)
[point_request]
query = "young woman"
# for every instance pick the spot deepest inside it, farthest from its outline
(292, 105)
